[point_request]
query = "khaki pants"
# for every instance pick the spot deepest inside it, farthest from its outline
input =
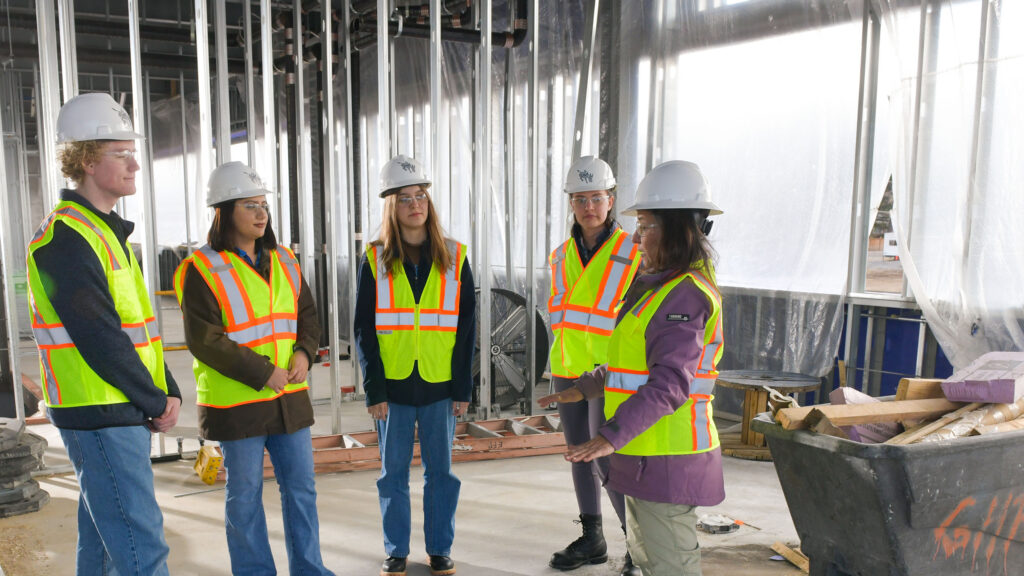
(662, 538)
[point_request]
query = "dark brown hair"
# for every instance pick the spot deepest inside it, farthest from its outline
(682, 245)
(391, 234)
(222, 229)
(73, 156)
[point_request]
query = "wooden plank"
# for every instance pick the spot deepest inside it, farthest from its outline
(915, 434)
(794, 558)
(852, 414)
(818, 422)
(919, 389)
(760, 405)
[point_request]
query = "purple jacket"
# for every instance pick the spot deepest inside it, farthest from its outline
(673, 353)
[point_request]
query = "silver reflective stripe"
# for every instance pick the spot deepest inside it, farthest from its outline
(396, 319)
(292, 265)
(700, 423)
(620, 264)
(585, 319)
(639, 306)
(558, 280)
(52, 392)
(625, 381)
(556, 318)
(154, 329)
(251, 334)
(433, 320)
(55, 336)
(233, 291)
(703, 386)
(451, 289)
(286, 326)
(69, 211)
(42, 227)
(137, 334)
(383, 287)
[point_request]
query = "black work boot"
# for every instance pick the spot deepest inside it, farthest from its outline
(393, 567)
(587, 549)
(441, 565)
(628, 569)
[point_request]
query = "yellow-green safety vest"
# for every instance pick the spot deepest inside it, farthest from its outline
(69, 381)
(585, 301)
(691, 428)
(256, 314)
(409, 333)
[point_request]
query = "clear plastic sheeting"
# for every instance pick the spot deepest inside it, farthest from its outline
(956, 152)
(769, 113)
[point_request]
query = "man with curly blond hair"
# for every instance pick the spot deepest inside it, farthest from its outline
(106, 384)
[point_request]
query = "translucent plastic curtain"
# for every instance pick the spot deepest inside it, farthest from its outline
(958, 161)
(769, 113)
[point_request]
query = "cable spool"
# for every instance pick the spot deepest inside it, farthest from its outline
(716, 524)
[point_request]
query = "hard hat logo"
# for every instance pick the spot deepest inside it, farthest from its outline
(255, 178)
(589, 174)
(408, 167)
(126, 120)
(402, 171)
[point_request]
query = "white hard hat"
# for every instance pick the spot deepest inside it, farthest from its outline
(94, 116)
(234, 180)
(399, 172)
(673, 185)
(588, 174)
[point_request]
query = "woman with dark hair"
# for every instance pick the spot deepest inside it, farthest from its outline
(589, 274)
(658, 383)
(414, 331)
(250, 323)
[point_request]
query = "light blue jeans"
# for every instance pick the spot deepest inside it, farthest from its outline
(244, 519)
(441, 488)
(120, 527)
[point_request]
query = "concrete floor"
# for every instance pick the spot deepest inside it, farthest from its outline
(512, 513)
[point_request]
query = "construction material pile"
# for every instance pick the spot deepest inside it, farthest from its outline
(987, 397)
(20, 453)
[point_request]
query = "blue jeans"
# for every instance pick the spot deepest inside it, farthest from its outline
(244, 519)
(120, 527)
(441, 488)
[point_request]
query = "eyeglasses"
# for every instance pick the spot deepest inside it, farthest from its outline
(121, 154)
(645, 229)
(253, 206)
(408, 200)
(582, 201)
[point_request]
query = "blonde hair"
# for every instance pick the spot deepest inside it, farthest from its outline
(390, 238)
(73, 156)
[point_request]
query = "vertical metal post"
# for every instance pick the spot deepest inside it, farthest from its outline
(307, 248)
(483, 146)
(184, 165)
(143, 180)
(533, 93)
(385, 145)
(333, 211)
(587, 67)
(866, 109)
(10, 303)
(350, 190)
(68, 53)
(223, 108)
(435, 89)
(509, 144)
(269, 168)
(921, 339)
(250, 88)
(868, 341)
(50, 178)
(204, 153)
(654, 119)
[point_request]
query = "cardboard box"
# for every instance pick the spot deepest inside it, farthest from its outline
(208, 464)
(994, 377)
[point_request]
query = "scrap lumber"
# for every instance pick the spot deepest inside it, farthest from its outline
(919, 389)
(915, 434)
(795, 557)
(852, 414)
(818, 422)
(480, 440)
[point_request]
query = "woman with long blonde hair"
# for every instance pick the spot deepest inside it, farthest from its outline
(414, 332)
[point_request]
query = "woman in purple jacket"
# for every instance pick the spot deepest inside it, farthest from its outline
(660, 435)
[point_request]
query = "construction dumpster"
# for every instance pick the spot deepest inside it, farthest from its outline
(953, 507)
